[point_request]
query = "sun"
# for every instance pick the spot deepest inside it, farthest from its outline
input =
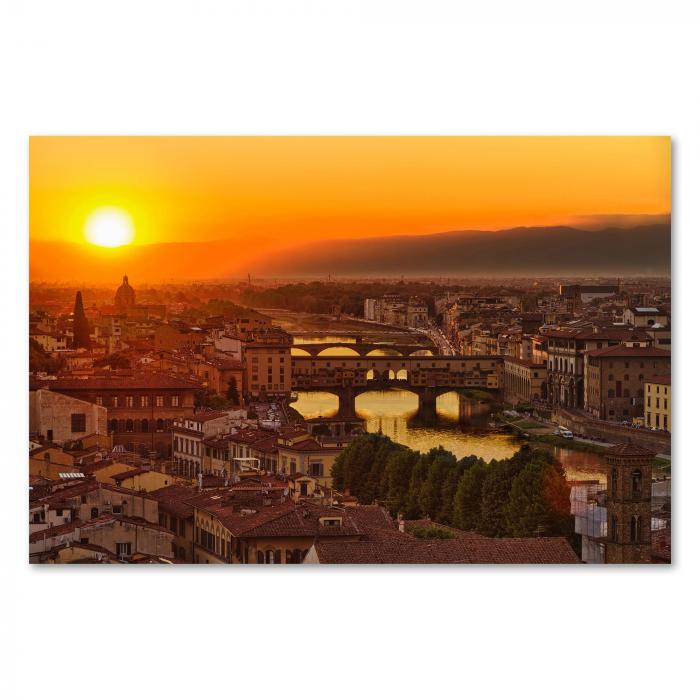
(109, 227)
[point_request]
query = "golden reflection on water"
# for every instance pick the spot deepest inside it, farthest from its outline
(393, 412)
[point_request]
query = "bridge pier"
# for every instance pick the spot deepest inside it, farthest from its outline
(346, 402)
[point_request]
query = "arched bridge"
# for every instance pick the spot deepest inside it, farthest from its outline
(427, 376)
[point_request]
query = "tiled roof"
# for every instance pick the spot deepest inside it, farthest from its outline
(136, 381)
(393, 549)
(174, 500)
(54, 531)
(626, 351)
(627, 449)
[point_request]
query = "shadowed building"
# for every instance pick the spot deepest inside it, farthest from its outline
(125, 296)
(628, 505)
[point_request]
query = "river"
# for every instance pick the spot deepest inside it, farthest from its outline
(460, 427)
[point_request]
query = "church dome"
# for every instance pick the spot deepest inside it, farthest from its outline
(125, 296)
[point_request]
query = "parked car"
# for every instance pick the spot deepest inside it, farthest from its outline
(561, 431)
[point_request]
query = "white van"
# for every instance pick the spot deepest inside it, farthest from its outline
(564, 432)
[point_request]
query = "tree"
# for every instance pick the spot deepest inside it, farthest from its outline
(466, 513)
(539, 500)
(495, 493)
(232, 392)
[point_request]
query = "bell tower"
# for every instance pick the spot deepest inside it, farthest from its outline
(628, 538)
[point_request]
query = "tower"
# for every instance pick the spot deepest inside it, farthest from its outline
(81, 327)
(628, 538)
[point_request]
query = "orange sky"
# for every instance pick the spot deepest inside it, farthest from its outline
(268, 191)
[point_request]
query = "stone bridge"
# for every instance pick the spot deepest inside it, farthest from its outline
(427, 376)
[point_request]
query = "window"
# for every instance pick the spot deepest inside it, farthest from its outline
(175, 400)
(123, 549)
(94, 513)
(613, 482)
(316, 468)
(636, 481)
(159, 401)
(613, 528)
(115, 401)
(635, 529)
(144, 402)
(98, 400)
(77, 422)
(129, 401)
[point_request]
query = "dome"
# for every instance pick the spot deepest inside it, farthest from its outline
(125, 296)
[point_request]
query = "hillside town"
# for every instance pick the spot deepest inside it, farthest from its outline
(163, 429)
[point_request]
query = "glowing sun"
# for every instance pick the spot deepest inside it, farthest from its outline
(109, 227)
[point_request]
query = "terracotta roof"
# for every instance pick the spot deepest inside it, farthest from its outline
(173, 499)
(627, 449)
(54, 531)
(625, 351)
(136, 381)
(471, 549)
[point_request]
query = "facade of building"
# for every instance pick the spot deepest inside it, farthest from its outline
(657, 402)
(60, 418)
(524, 381)
(616, 377)
(141, 407)
(189, 433)
(628, 505)
(268, 363)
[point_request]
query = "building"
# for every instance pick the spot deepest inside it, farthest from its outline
(141, 407)
(628, 538)
(566, 350)
(60, 418)
(395, 310)
(524, 381)
(125, 296)
(645, 317)
(615, 380)
(189, 434)
(657, 402)
(268, 363)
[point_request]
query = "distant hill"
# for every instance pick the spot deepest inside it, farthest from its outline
(641, 250)
(517, 251)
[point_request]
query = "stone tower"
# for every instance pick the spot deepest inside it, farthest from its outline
(81, 327)
(629, 505)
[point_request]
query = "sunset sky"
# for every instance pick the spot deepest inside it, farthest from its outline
(266, 193)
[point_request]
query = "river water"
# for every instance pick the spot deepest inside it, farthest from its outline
(461, 426)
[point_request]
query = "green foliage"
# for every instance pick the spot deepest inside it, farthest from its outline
(41, 361)
(232, 392)
(523, 496)
(206, 398)
(114, 361)
(431, 532)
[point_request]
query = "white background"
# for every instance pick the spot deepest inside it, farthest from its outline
(360, 67)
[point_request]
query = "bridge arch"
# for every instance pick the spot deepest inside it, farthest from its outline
(339, 350)
(384, 352)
